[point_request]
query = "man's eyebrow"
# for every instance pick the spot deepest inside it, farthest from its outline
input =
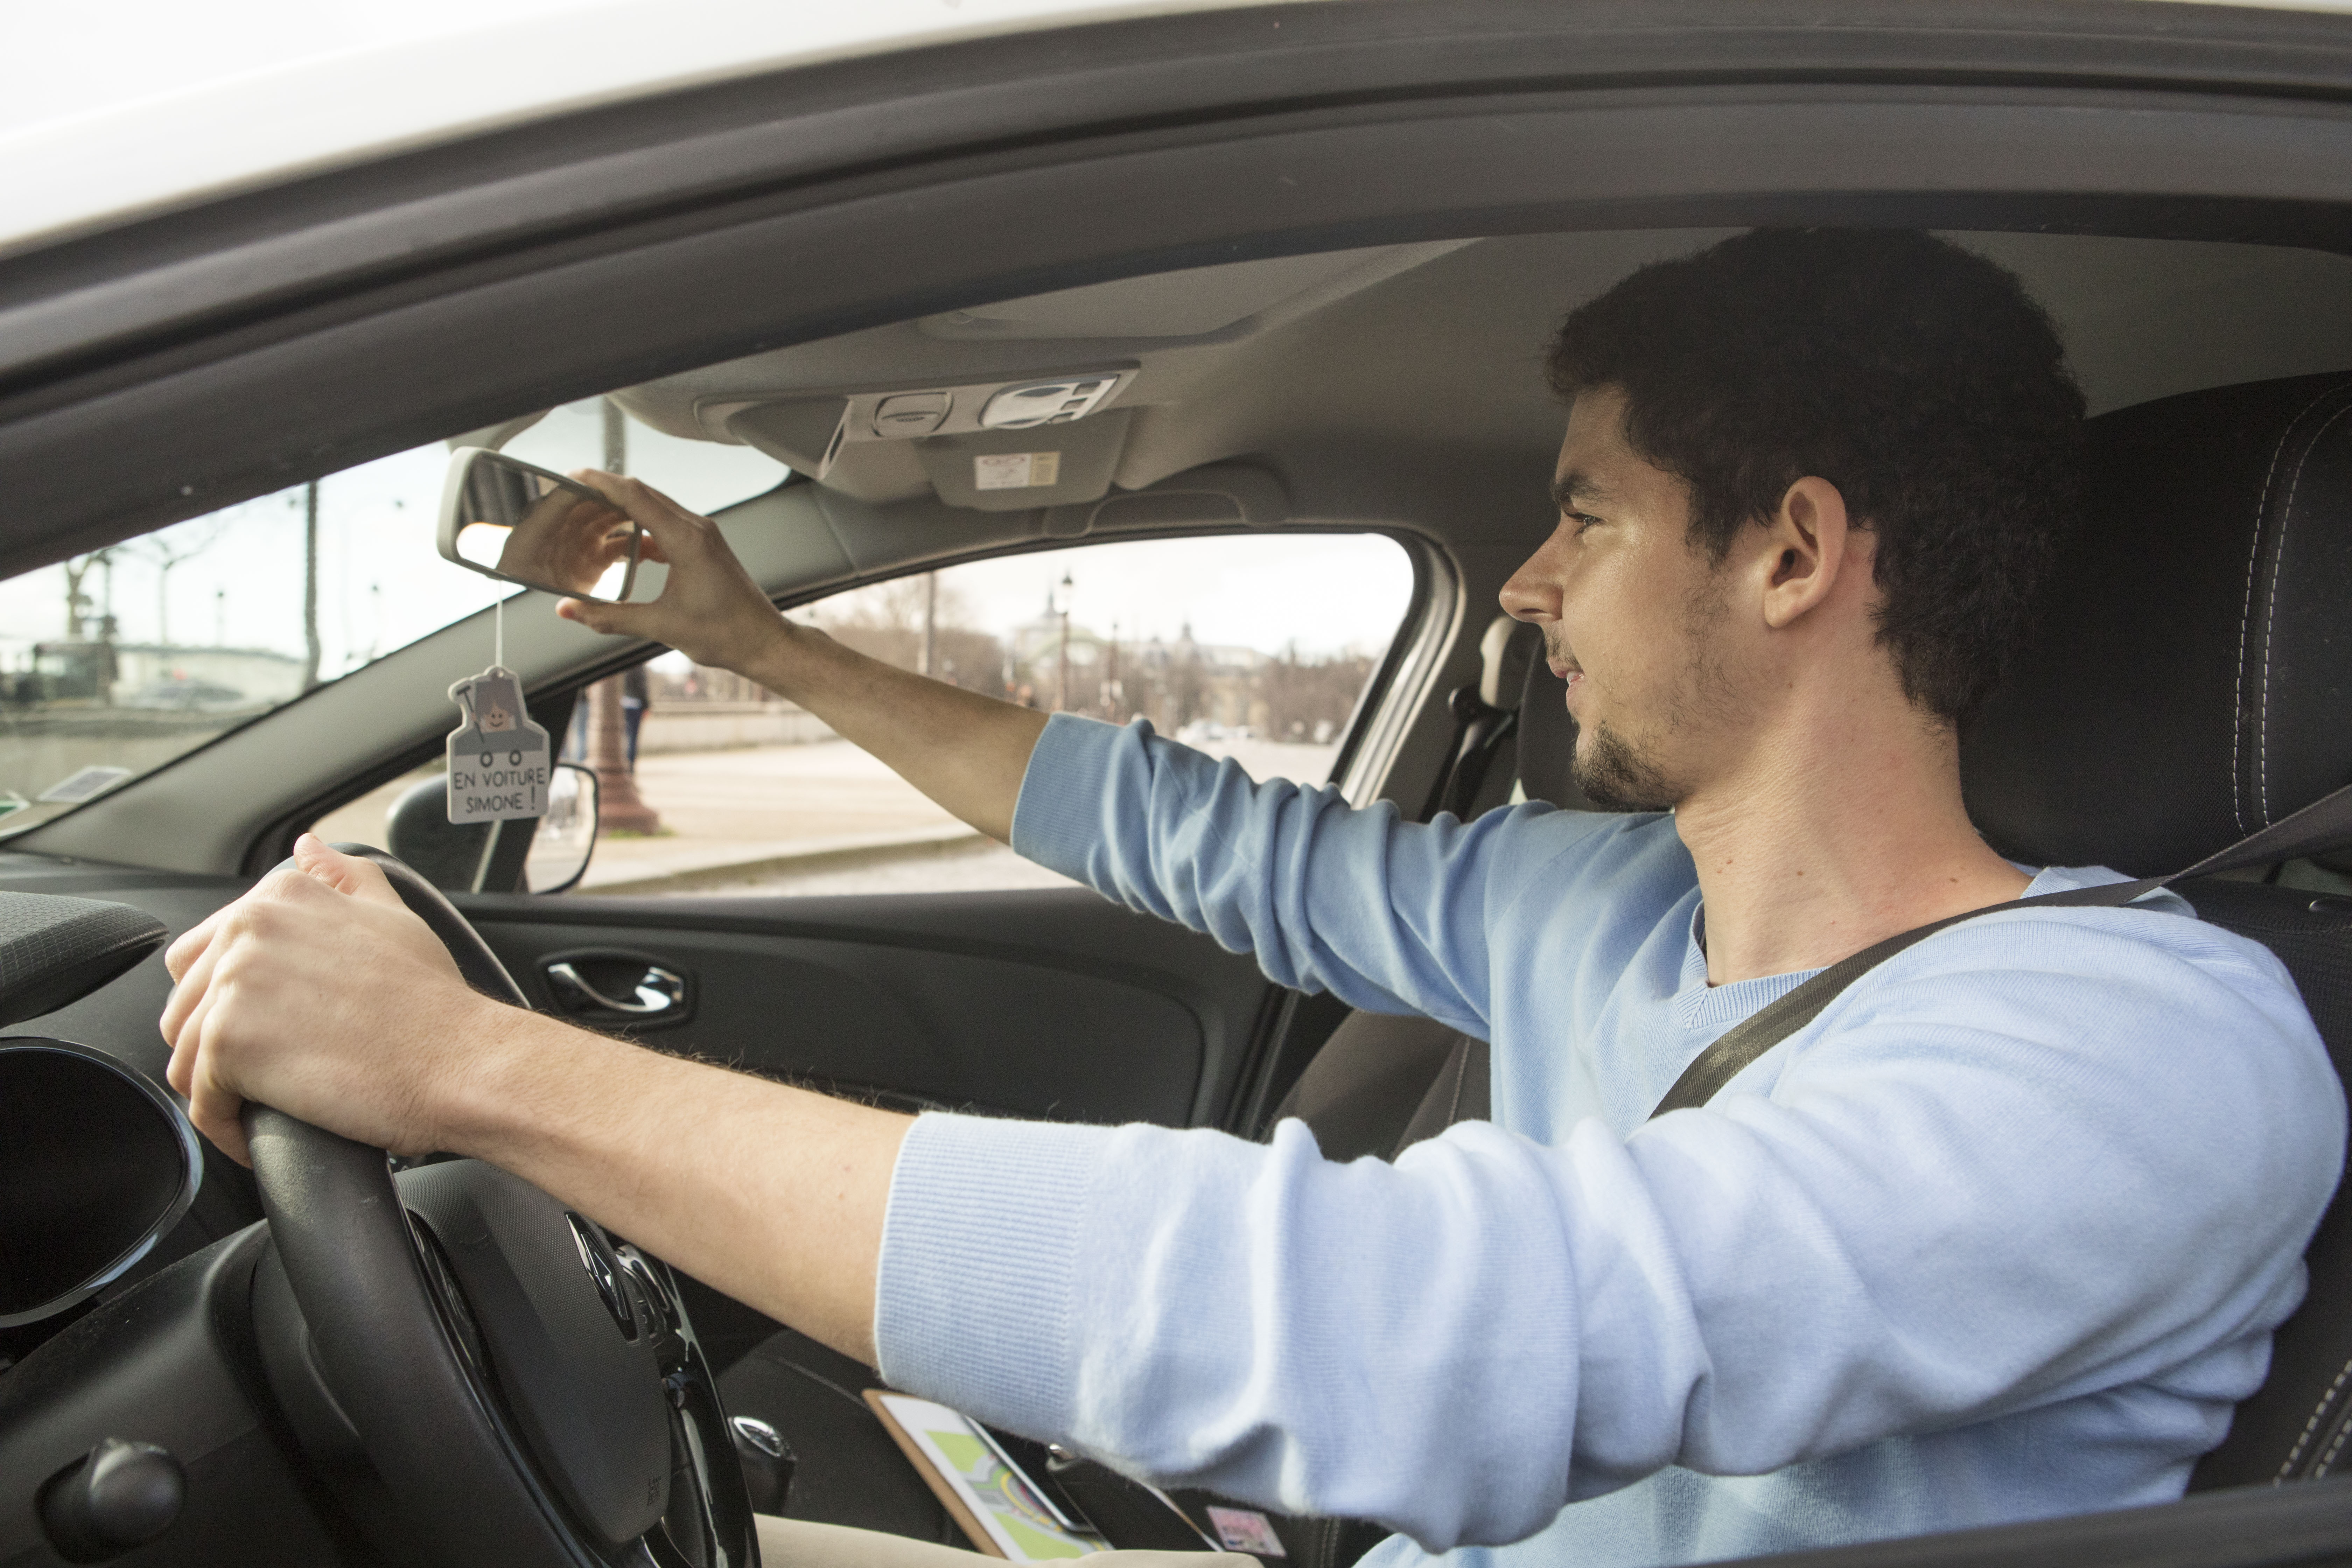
(1566, 488)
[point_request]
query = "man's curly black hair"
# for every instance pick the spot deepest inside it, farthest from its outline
(1916, 376)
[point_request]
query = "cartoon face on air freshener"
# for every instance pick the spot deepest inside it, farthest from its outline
(498, 759)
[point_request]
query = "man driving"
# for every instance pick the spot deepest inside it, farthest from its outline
(2003, 1232)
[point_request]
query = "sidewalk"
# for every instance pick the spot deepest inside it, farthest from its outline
(817, 818)
(825, 817)
(746, 816)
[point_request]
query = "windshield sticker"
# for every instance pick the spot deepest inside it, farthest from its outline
(1016, 470)
(82, 783)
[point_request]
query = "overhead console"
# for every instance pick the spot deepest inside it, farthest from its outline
(992, 445)
(1049, 401)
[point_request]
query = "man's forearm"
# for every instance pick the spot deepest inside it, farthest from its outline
(965, 751)
(774, 1195)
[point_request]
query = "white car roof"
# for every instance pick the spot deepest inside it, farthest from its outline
(138, 107)
(123, 109)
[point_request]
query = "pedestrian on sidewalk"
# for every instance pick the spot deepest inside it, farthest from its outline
(636, 696)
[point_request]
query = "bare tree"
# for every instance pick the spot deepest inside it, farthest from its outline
(897, 606)
(898, 621)
(78, 602)
(168, 549)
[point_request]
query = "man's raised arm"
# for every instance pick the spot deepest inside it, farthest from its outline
(965, 751)
(1383, 914)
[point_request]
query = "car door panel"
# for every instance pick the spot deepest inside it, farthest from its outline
(1050, 1003)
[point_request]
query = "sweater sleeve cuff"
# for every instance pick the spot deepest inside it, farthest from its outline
(975, 1293)
(1059, 816)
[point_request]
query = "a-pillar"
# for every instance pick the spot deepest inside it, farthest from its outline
(619, 807)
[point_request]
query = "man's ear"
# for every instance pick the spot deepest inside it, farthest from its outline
(1805, 549)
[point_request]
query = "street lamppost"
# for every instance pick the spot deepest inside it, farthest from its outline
(931, 624)
(1112, 694)
(1061, 700)
(619, 807)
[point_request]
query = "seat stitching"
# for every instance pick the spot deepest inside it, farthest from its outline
(2312, 1425)
(1461, 1071)
(2246, 610)
(2270, 613)
(2328, 1460)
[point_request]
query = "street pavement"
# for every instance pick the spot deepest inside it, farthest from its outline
(819, 818)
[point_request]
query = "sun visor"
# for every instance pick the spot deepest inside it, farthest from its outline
(1011, 470)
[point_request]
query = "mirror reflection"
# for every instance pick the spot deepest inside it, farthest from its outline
(506, 518)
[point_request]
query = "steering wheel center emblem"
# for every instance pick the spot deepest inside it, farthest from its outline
(604, 1266)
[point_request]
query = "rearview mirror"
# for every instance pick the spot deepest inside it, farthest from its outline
(508, 520)
(97, 1164)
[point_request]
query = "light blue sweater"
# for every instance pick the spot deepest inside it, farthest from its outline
(2003, 1234)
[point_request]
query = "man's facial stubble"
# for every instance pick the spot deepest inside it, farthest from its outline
(1618, 771)
(1616, 777)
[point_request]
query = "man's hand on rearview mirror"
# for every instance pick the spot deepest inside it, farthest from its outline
(709, 608)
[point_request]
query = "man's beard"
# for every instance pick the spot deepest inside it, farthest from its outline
(1615, 778)
(1617, 775)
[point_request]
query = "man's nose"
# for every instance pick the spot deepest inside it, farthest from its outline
(1531, 594)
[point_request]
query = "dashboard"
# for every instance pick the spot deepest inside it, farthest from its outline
(159, 1356)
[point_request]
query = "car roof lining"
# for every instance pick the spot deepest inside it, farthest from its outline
(1438, 344)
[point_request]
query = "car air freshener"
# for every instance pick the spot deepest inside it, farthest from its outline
(498, 759)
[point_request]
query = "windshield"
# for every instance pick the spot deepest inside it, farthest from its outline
(114, 663)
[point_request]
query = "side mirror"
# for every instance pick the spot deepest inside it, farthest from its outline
(517, 523)
(566, 839)
(467, 858)
(97, 1164)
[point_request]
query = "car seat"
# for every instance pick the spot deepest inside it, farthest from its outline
(2190, 681)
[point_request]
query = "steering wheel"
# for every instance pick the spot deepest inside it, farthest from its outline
(529, 1394)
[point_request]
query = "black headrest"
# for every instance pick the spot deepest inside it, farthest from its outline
(2188, 682)
(1547, 739)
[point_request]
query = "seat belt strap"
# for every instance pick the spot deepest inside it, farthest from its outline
(1478, 731)
(2322, 825)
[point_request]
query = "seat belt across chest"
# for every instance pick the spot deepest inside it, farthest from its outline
(2322, 825)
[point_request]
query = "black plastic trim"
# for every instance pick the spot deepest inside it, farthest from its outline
(2250, 1527)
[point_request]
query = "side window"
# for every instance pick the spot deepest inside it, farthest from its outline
(1254, 646)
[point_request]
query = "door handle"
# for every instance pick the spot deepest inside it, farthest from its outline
(653, 992)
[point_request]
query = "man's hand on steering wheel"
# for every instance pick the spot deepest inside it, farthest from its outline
(321, 994)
